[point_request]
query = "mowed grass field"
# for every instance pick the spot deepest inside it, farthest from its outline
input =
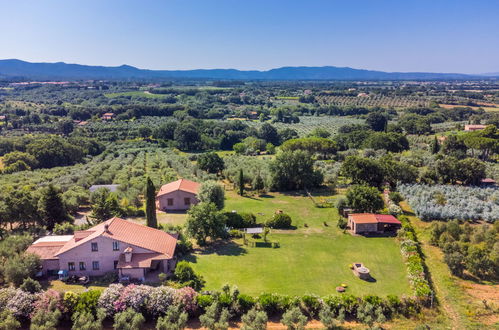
(313, 259)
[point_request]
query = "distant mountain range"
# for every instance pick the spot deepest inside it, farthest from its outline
(64, 71)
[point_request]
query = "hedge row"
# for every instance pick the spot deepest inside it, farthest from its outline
(413, 256)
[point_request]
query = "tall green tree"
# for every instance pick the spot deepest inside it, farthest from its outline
(203, 221)
(210, 162)
(241, 182)
(212, 192)
(51, 207)
(292, 170)
(364, 199)
(152, 221)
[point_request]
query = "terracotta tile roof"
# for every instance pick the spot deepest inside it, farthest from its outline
(373, 218)
(387, 218)
(140, 260)
(129, 232)
(182, 184)
(45, 250)
(363, 217)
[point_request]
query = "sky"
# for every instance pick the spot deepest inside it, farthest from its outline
(399, 35)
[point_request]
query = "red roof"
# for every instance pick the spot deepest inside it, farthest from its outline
(373, 218)
(182, 184)
(46, 250)
(387, 218)
(363, 217)
(128, 232)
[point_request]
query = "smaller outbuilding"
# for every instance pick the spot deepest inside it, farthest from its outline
(108, 116)
(178, 195)
(474, 127)
(370, 223)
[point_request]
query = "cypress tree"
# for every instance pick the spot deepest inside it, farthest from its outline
(151, 204)
(241, 182)
(435, 147)
(51, 207)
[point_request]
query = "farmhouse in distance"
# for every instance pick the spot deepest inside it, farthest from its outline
(178, 195)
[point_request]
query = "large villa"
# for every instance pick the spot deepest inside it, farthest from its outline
(116, 245)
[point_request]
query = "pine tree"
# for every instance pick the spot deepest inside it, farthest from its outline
(241, 182)
(151, 204)
(51, 207)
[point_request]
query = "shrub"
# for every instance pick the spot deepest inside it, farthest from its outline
(109, 296)
(235, 233)
(294, 319)
(240, 220)
(174, 319)
(254, 320)
(245, 302)
(186, 297)
(87, 321)
(21, 304)
(329, 318)
(88, 302)
(30, 285)
(215, 317)
(311, 304)
(280, 221)
(45, 319)
(342, 223)
(160, 299)
(8, 321)
(204, 300)
(128, 320)
(69, 302)
(273, 303)
(185, 275)
(395, 197)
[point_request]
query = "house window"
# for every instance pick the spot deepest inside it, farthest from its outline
(169, 201)
(187, 201)
(115, 264)
(71, 266)
(82, 265)
(95, 265)
(95, 247)
(116, 246)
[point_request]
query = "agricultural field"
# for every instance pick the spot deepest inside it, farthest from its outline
(375, 101)
(309, 123)
(145, 94)
(313, 259)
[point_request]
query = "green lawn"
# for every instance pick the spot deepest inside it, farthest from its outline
(313, 259)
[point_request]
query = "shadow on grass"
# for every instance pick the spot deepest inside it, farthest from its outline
(225, 248)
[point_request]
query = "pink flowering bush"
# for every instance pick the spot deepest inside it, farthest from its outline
(48, 301)
(21, 304)
(109, 297)
(133, 296)
(159, 300)
(186, 297)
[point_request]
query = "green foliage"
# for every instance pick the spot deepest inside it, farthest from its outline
(211, 162)
(8, 321)
(377, 121)
(104, 205)
(215, 317)
(319, 146)
(128, 320)
(329, 318)
(362, 171)
(294, 319)
(150, 194)
(65, 228)
(280, 221)
(185, 275)
(30, 285)
(87, 321)
(51, 207)
(21, 266)
(45, 320)
(240, 220)
(240, 182)
(203, 221)
(87, 302)
(254, 320)
(174, 319)
(212, 192)
(364, 199)
(292, 170)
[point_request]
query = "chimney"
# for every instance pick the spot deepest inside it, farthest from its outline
(128, 254)
(106, 228)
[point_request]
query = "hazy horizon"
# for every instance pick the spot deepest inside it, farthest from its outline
(391, 36)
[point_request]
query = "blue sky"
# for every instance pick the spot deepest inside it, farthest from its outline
(403, 35)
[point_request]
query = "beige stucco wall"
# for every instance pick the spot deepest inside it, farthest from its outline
(178, 201)
(50, 264)
(105, 255)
